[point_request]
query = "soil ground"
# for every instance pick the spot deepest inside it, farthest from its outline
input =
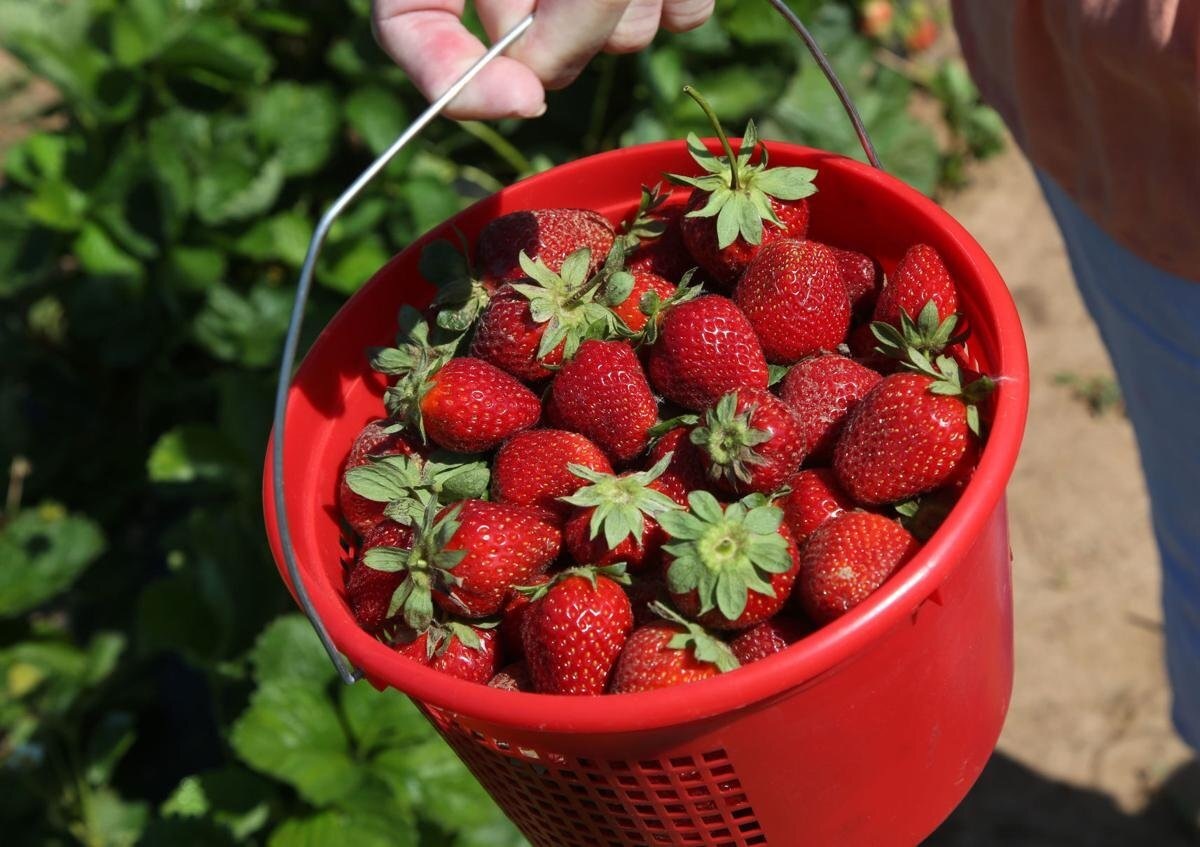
(1088, 744)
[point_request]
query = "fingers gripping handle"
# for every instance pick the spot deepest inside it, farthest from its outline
(291, 340)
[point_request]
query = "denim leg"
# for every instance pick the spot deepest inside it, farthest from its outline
(1150, 323)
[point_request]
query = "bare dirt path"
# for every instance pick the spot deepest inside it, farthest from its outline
(1088, 741)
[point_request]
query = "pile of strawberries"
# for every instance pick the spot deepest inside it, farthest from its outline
(617, 459)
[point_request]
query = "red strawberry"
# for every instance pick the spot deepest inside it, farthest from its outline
(514, 677)
(531, 469)
(862, 277)
(706, 347)
(728, 568)
(629, 310)
(666, 255)
(574, 630)
(603, 394)
(815, 497)
(793, 295)
(822, 390)
(877, 18)
(908, 434)
(465, 557)
(547, 234)
(864, 348)
(922, 36)
(737, 207)
(372, 443)
(472, 406)
(504, 545)
(686, 470)
(669, 652)
(458, 649)
(752, 441)
(919, 277)
(848, 558)
(614, 520)
(370, 591)
(533, 324)
(767, 639)
(513, 621)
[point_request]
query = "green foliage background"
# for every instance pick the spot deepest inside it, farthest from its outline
(154, 688)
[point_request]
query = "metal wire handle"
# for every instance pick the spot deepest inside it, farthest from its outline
(291, 342)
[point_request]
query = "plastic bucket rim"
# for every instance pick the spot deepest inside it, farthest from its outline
(819, 652)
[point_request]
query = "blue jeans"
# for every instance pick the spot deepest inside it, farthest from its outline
(1150, 322)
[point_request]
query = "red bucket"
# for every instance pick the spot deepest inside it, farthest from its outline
(867, 732)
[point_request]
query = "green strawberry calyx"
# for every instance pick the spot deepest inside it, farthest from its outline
(620, 504)
(440, 636)
(739, 192)
(427, 564)
(570, 304)
(947, 382)
(927, 333)
(655, 307)
(420, 352)
(460, 296)
(645, 225)
(615, 572)
(407, 483)
(704, 646)
(724, 554)
(729, 439)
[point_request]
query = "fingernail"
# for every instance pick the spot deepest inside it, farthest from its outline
(538, 112)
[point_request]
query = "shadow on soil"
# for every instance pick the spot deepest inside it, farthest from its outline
(1013, 805)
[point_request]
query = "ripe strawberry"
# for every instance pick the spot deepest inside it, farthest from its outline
(736, 207)
(465, 557)
(575, 628)
(908, 434)
(685, 470)
(514, 677)
(603, 394)
(848, 558)
(862, 277)
(922, 36)
(470, 406)
(644, 282)
(614, 520)
(768, 638)
(532, 469)
(815, 497)
(822, 390)
(919, 277)
(669, 652)
(533, 324)
(865, 349)
(374, 442)
(728, 568)
(666, 255)
(752, 441)
(547, 234)
(369, 591)
(458, 649)
(706, 347)
(793, 295)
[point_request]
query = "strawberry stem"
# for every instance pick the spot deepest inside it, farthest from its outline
(734, 185)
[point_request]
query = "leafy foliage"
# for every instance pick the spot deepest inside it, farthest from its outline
(174, 159)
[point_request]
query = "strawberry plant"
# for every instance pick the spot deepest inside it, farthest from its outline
(163, 165)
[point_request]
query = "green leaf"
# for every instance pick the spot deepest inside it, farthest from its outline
(109, 741)
(244, 329)
(359, 827)
(297, 124)
(233, 190)
(352, 265)
(283, 237)
(214, 50)
(288, 650)
(378, 115)
(113, 821)
(237, 800)
(431, 778)
(99, 255)
(382, 719)
(193, 453)
(195, 268)
(44, 551)
(57, 205)
(292, 732)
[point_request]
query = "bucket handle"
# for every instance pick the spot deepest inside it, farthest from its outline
(348, 673)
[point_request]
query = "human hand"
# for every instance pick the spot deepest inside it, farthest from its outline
(427, 39)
